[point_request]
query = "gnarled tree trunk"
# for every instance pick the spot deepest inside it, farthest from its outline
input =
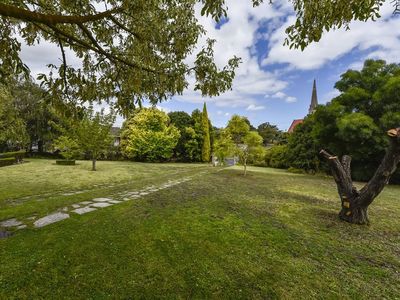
(355, 202)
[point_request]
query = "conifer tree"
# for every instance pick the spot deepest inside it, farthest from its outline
(206, 149)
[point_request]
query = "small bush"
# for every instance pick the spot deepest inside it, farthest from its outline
(296, 171)
(65, 162)
(7, 161)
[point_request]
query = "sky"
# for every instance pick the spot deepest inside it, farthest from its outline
(273, 83)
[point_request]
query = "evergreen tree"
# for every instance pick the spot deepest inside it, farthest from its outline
(206, 149)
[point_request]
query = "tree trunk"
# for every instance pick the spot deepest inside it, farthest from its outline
(93, 164)
(245, 166)
(355, 202)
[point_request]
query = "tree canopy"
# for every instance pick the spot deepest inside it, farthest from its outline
(136, 50)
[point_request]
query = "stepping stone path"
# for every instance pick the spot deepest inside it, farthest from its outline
(83, 210)
(89, 206)
(50, 219)
(11, 223)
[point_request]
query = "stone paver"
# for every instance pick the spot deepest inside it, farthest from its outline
(50, 219)
(76, 205)
(85, 202)
(83, 210)
(114, 201)
(100, 204)
(22, 226)
(11, 223)
(101, 199)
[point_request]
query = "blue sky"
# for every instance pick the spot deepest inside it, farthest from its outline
(273, 83)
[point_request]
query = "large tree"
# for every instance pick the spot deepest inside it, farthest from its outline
(136, 50)
(354, 127)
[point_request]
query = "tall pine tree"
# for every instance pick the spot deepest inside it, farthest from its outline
(206, 149)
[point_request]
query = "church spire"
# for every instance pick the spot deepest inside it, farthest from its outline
(314, 99)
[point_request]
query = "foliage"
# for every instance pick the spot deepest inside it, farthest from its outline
(13, 133)
(187, 143)
(149, 136)
(302, 150)
(238, 128)
(270, 133)
(275, 157)
(206, 148)
(68, 147)
(315, 17)
(250, 150)
(8, 161)
(129, 50)
(90, 135)
(37, 110)
(354, 123)
(224, 146)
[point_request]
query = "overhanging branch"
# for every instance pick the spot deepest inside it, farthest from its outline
(50, 19)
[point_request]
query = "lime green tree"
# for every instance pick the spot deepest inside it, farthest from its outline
(223, 146)
(149, 136)
(68, 147)
(250, 148)
(93, 134)
(206, 149)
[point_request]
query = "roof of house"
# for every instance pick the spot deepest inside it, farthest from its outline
(294, 124)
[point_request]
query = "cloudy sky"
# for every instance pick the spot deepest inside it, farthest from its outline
(273, 83)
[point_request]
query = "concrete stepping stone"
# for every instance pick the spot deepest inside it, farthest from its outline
(100, 204)
(84, 210)
(114, 201)
(144, 193)
(50, 219)
(11, 223)
(22, 226)
(101, 199)
(85, 203)
(76, 205)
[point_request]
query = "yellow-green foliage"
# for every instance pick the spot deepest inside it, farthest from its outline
(149, 136)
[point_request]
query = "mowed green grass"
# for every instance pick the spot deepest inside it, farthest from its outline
(39, 187)
(270, 234)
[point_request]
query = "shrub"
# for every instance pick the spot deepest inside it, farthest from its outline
(65, 162)
(275, 157)
(7, 161)
(296, 171)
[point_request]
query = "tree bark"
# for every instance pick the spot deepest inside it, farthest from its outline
(93, 164)
(355, 202)
(50, 19)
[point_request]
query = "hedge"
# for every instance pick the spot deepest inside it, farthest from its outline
(65, 162)
(18, 155)
(7, 161)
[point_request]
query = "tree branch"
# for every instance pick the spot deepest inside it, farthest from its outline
(50, 19)
(385, 170)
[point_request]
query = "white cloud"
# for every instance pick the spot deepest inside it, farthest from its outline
(283, 96)
(253, 107)
(291, 99)
(378, 36)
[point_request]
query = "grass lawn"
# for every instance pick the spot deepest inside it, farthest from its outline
(271, 234)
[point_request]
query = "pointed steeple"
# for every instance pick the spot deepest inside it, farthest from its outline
(314, 99)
